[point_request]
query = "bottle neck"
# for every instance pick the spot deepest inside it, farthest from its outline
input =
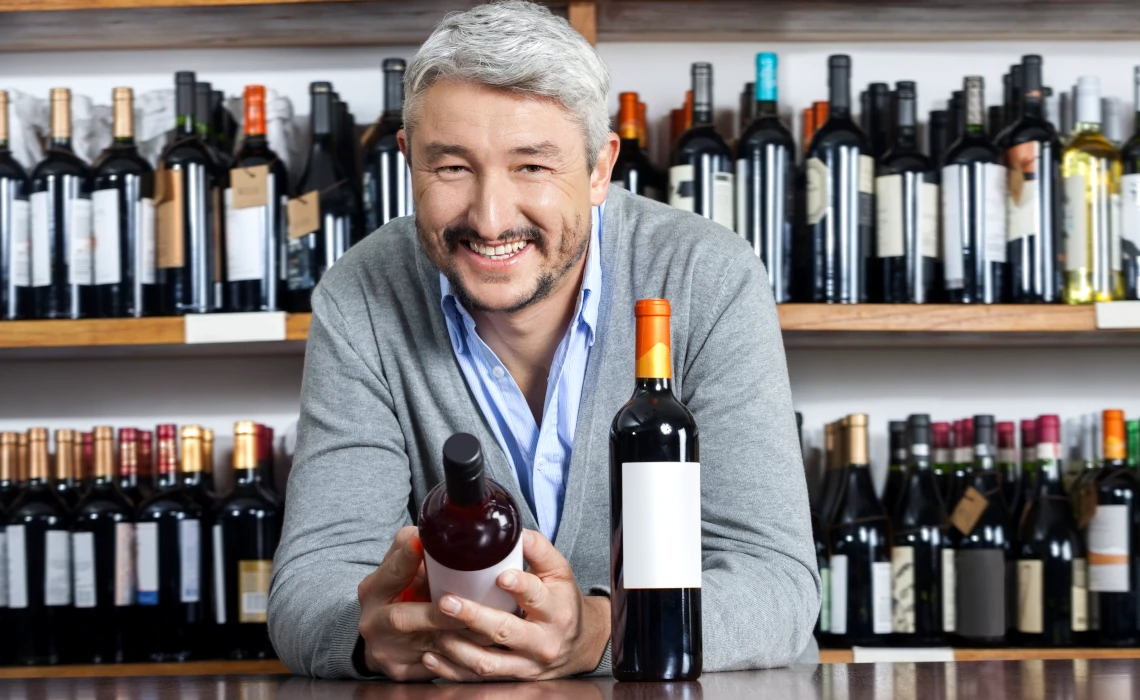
(654, 364)
(394, 93)
(766, 94)
(1048, 467)
(906, 115)
(702, 96)
(839, 93)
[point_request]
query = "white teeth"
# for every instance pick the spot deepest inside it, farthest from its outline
(497, 252)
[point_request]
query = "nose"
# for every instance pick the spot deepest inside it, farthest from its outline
(495, 206)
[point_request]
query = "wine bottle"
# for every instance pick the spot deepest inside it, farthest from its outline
(938, 136)
(974, 210)
(1029, 474)
(906, 204)
(765, 154)
(321, 216)
(470, 528)
(1114, 567)
(1090, 171)
(61, 223)
(982, 549)
(632, 170)
(147, 483)
(39, 563)
(102, 545)
(255, 206)
(1110, 118)
(825, 504)
(129, 483)
(266, 462)
(876, 118)
(956, 107)
(63, 470)
(1007, 467)
(1012, 106)
(123, 222)
(192, 473)
(1130, 200)
(1032, 158)
(204, 123)
(1052, 576)
(840, 194)
(1083, 476)
(223, 128)
(655, 520)
(963, 460)
(701, 176)
(209, 486)
(10, 483)
(186, 213)
(169, 561)
(387, 186)
(921, 560)
(943, 459)
(245, 535)
(859, 545)
(15, 241)
(897, 464)
(643, 129)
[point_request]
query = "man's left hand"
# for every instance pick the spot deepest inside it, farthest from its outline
(563, 632)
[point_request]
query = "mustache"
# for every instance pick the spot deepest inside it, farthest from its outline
(454, 235)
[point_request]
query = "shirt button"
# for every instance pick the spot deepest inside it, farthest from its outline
(498, 372)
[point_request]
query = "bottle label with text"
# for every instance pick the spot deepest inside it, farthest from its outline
(57, 568)
(949, 600)
(1109, 552)
(20, 260)
(1030, 617)
(146, 562)
(189, 548)
(902, 589)
(253, 589)
(83, 549)
(40, 203)
(124, 564)
(79, 268)
(247, 230)
(17, 567)
(105, 204)
(1080, 596)
(661, 525)
(1076, 223)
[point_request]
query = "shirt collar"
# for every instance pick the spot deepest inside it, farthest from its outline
(589, 298)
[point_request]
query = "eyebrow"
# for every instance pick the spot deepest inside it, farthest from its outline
(437, 150)
(546, 148)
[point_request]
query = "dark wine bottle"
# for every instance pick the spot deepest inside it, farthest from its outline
(102, 543)
(245, 535)
(963, 461)
(859, 544)
(701, 176)
(204, 123)
(321, 216)
(267, 463)
(921, 559)
(982, 542)
(655, 520)
(1129, 195)
(128, 475)
(387, 180)
(938, 136)
(39, 563)
(1052, 578)
(1033, 160)
(187, 213)
(876, 118)
(9, 480)
(61, 223)
(63, 478)
(956, 107)
(1008, 467)
(15, 231)
(1029, 474)
(765, 155)
(255, 217)
(974, 210)
(943, 459)
(825, 504)
(1114, 567)
(209, 486)
(896, 465)
(840, 197)
(123, 222)
(169, 560)
(633, 170)
(906, 203)
(223, 128)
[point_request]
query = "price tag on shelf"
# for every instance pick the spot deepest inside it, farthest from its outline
(868, 655)
(1118, 315)
(261, 326)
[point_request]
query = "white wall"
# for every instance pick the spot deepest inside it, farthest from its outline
(1011, 383)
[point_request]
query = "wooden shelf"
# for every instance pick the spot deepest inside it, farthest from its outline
(115, 332)
(847, 656)
(190, 668)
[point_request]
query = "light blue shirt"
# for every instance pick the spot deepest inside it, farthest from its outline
(539, 454)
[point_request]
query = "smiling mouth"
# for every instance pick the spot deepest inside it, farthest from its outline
(503, 251)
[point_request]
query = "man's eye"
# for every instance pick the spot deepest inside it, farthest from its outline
(533, 169)
(451, 169)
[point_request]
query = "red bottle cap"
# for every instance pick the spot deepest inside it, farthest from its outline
(166, 431)
(1029, 432)
(1048, 429)
(1005, 432)
(941, 434)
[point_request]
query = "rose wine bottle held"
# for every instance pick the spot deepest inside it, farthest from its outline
(655, 518)
(470, 528)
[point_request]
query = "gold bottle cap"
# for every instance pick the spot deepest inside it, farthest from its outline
(191, 449)
(37, 434)
(9, 460)
(245, 445)
(64, 453)
(9, 438)
(857, 439)
(60, 113)
(103, 465)
(38, 459)
(123, 114)
(3, 115)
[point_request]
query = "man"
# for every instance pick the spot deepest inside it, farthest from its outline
(505, 309)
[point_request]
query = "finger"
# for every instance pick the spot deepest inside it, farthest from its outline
(506, 629)
(449, 670)
(480, 639)
(545, 561)
(529, 592)
(414, 618)
(486, 663)
(398, 569)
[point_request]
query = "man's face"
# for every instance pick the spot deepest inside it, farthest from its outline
(502, 193)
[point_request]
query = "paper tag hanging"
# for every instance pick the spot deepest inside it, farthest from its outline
(304, 214)
(969, 510)
(250, 186)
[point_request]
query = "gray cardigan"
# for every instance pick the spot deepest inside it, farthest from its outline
(382, 391)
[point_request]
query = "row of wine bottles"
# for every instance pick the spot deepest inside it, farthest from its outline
(969, 547)
(209, 230)
(1023, 213)
(116, 566)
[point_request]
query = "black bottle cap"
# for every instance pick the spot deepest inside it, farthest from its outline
(185, 77)
(983, 430)
(463, 469)
(839, 60)
(320, 87)
(918, 431)
(394, 64)
(879, 89)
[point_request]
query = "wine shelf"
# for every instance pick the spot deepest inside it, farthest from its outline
(191, 668)
(118, 332)
(847, 656)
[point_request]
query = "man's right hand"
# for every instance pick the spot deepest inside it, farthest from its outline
(398, 621)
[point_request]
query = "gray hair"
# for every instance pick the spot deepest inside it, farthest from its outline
(521, 47)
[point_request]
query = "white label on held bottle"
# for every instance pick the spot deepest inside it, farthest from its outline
(477, 586)
(661, 525)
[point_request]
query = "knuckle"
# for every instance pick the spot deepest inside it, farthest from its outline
(484, 667)
(503, 631)
(548, 654)
(396, 618)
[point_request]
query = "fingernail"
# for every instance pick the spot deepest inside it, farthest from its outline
(450, 605)
(509, 580)
(430, 661)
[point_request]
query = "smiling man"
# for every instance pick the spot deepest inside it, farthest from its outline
(505, 310)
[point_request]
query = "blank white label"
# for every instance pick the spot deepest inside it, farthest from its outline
(889, 216)
(881, 597)
(41, 239)
(661, 524)
(17, 568)
(146, 562)
(839, 594)
(997, 188)
(105, 204)
(952, 236)
(124, 564)
(148, 254)
(57, 568)
(928, 220)
(219, 577)
(724, 193)
(245, 239)
(478, 586)
(741, 196)
(189, 547)
(20, 262)
(83, 547)
(1108, 550)
(3, 569)
(1076, 230)
(949, 592)
(79, 264)
(681, 187)
(1130, 208)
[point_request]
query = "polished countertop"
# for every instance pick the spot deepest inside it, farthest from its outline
(1077, 679)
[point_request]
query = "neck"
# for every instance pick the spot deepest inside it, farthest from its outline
(244, 476)
(904, 139)
(766, 109)
(1033, 108)
(61, 142)
(184, 126)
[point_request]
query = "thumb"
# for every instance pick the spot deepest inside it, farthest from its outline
(545, 561)
(399, 567)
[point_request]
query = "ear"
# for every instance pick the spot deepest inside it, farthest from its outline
(402, 140)
(600, 178)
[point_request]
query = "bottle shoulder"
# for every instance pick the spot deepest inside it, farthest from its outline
(763, 132)
(10, 168)
(700, 140)
(972, 149)
(57, 164)
(650, 410)
(838, 132)
(1027, 130)
(120, 160)
(1092, 144)
(897, 163)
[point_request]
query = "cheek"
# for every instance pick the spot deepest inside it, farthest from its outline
(440, 203)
